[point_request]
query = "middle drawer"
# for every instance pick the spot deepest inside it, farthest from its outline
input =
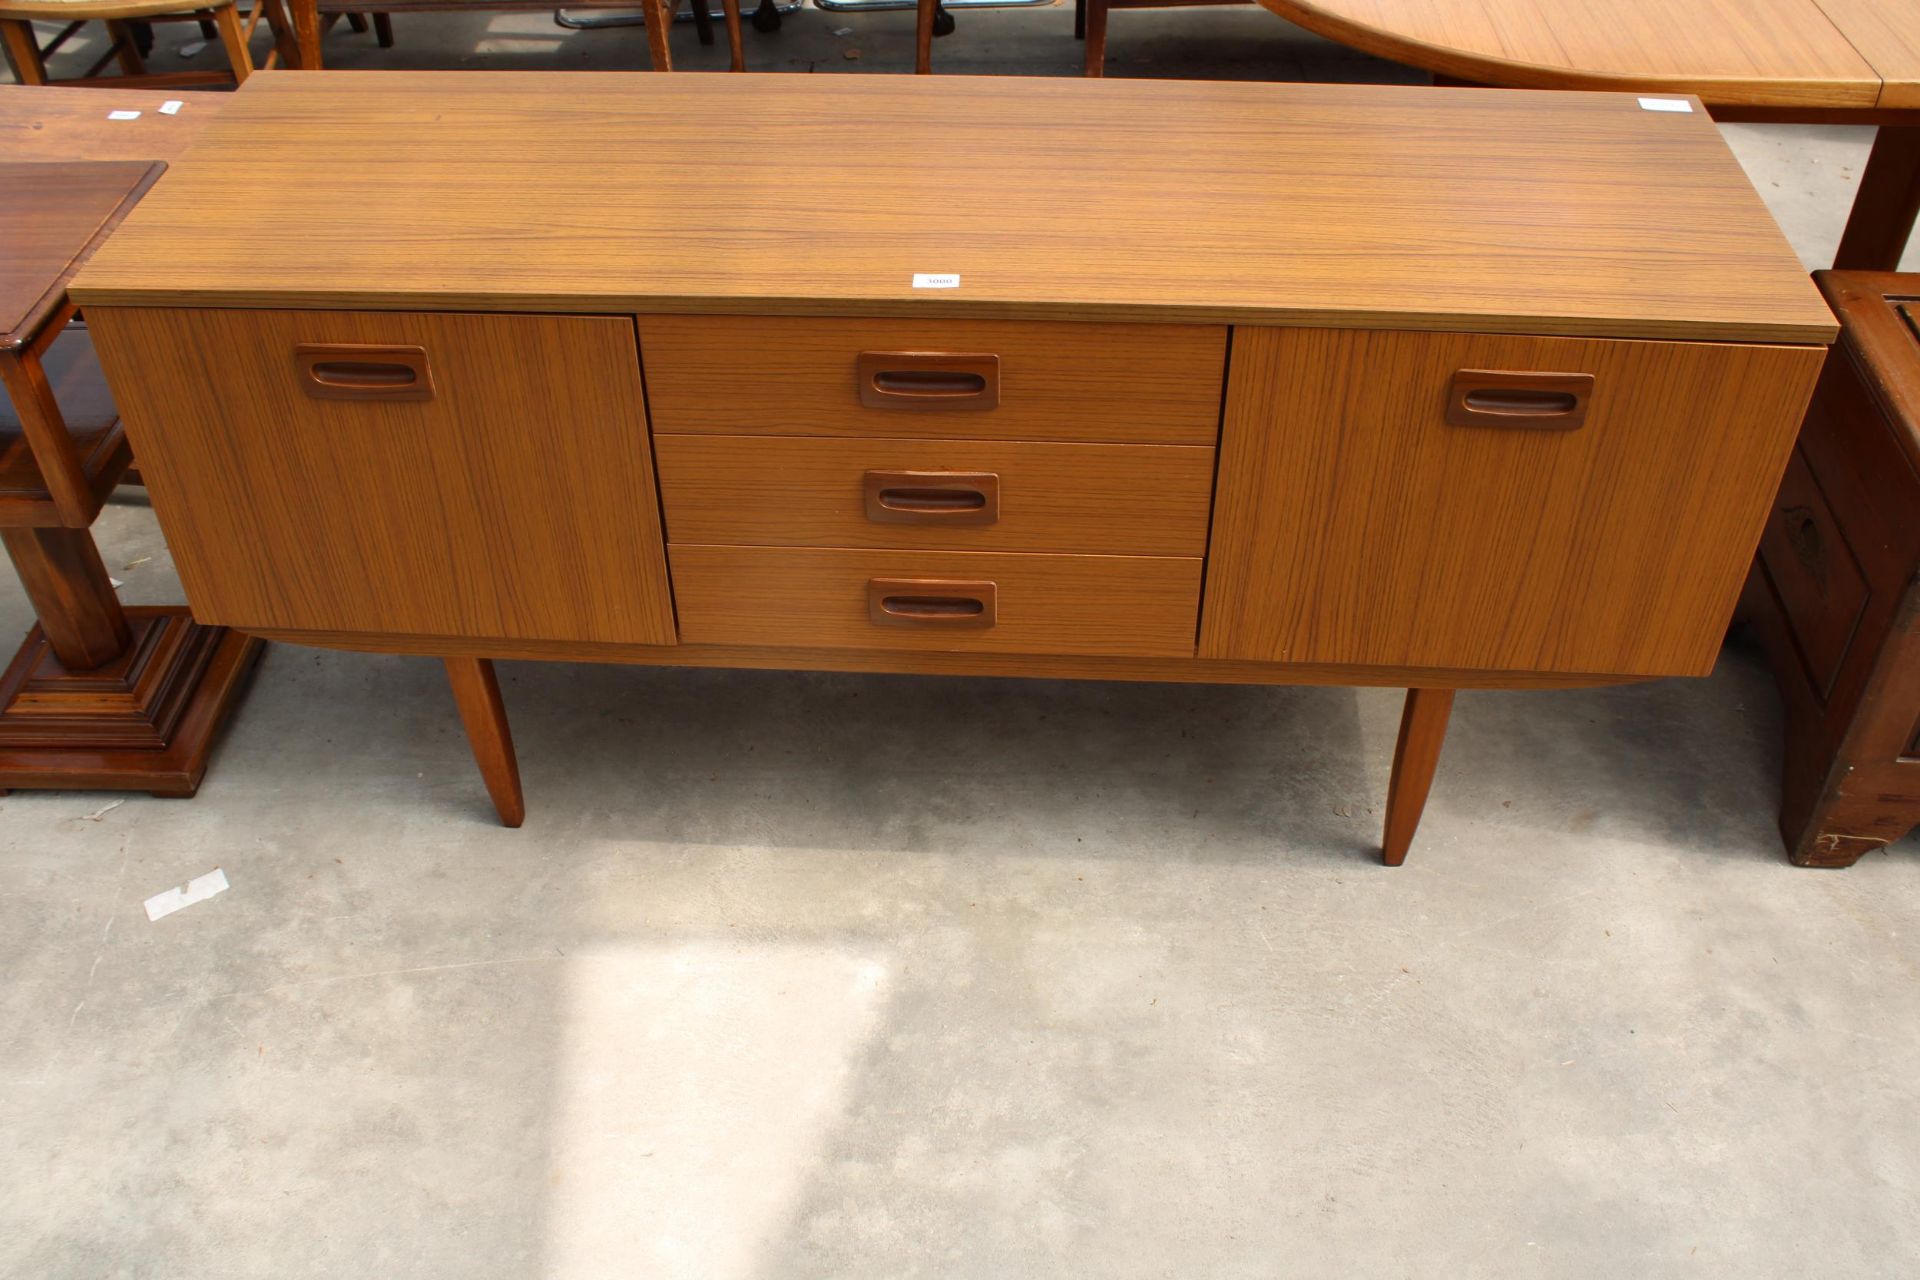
(962, 495)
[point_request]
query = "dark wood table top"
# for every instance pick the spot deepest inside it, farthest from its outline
(52, 122)
(55, 215)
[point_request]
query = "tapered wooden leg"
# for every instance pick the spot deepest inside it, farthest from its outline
(1096, 51)
(234, 41)
(1885, 206)
(126, 48)
(477, 693)
(23, 51)
(738, 51)
(1423, 727)
(923, 16)
(383, 30)
(284, 43)
(306, 32)
(702, 21)
(659, 15)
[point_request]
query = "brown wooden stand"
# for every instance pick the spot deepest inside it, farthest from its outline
(477, 694)
(101, 697)
(1423, 727)
(98, 696)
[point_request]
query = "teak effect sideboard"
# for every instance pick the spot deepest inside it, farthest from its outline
(1246, 383)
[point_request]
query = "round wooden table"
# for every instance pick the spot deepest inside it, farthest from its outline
(1781, 61)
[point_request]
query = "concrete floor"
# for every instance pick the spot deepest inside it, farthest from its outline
(1101, 980)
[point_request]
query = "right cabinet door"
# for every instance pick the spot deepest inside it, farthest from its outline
(1488, 502)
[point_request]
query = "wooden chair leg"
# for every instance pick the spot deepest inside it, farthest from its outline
(738, 58)
(1096, 52)
(285, 45)
(923, 17)
(234, 41)
(703, 21)
(1079, 19)
(357, 22)
(477, 693)
(1423, 727)
(383, 30)
(126, 47)
(659, 16)
(306, 33)
(23, 51)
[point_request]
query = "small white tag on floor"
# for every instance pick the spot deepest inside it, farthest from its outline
(171, 107)
(1666, 104)
(930, 280)
(198, 889)
(123, 115)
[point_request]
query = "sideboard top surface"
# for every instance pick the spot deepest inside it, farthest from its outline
(1347, 205)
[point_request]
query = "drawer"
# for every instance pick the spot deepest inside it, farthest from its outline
(966, 495)
(932, 600)
(1816, 576)
(402, 473)
(1489, 502)
(967, 379)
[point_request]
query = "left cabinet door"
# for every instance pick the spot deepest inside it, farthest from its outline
(481, 476)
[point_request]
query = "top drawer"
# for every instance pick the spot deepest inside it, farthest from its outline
(978, 379)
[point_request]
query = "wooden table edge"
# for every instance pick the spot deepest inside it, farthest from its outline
(1810, 331)
(1509, 73)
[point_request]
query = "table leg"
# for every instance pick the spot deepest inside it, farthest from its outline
(1886, 204)
(23, 51)
(306, 33)
(1094, 62)
(1423, 727)
(101, 697)
(477, 693)
(737, 51)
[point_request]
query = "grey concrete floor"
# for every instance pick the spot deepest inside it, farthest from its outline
(1099, 980)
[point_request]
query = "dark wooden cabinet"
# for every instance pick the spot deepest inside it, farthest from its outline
(1835, 589)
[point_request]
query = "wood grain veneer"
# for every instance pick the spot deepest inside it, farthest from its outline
(796, 491)
(1151, 384)
(65, 123)
(516, 502)
(1782, 53)
(925, 662)
(1351, 205)
(1354, 524)
(1887, 34)
(1085, 605)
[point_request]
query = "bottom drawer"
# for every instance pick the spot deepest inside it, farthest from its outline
(1144, 606)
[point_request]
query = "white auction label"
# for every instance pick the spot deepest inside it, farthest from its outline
(929, 280)
(1666, 104)
(123, 115)
(198, 889)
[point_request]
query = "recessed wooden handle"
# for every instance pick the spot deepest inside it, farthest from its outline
(361, 371)
(1495, 398)
(931, 602)
(928, 380)
(932, 497)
